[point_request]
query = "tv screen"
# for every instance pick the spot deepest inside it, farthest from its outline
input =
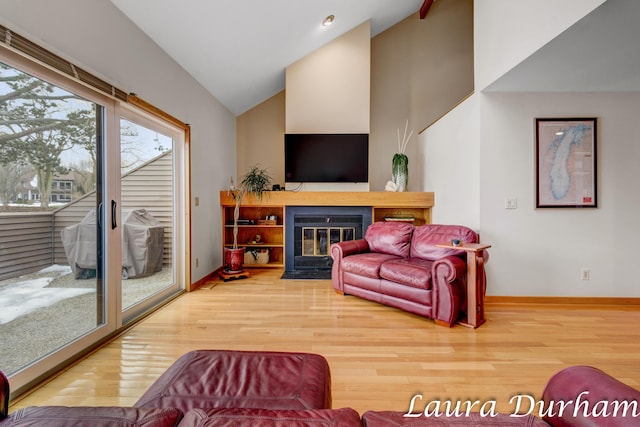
(326, 157)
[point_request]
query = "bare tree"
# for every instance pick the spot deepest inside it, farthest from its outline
(85, 176)
(38, 122)
(10, 176)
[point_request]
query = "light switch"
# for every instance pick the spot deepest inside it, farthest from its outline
(511, 203)
(196, 201)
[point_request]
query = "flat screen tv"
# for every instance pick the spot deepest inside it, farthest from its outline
(321, 157)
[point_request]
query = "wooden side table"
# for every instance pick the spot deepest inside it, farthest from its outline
(475, 292)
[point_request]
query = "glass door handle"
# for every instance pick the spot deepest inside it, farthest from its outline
(114, 222)
(99, 216)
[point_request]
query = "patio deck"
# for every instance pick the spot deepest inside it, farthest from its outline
(45, 310)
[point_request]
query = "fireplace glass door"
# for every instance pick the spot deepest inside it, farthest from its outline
(317, 240)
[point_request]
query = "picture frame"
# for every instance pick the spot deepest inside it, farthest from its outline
(566, 162)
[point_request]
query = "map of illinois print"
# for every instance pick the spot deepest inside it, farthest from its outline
(566, 162)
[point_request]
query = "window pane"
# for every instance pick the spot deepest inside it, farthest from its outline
(147, 212)
(308, 241)
(50, 289)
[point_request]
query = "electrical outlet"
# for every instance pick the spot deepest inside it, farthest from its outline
(511, 203)
(197, 201)
(585, 274)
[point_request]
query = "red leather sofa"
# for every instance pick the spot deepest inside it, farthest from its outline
(586, 396)
(578, 396)
(399, 265)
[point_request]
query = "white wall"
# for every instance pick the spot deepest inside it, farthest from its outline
(329, 90)
(536, 252)
(542, 251)
(96, 36)
(508, 31)
(448, 158)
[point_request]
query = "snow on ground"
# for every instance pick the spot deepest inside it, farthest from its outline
(61, 270)
(25, 296)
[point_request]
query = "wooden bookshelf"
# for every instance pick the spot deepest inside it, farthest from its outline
(384, 205)
(271, 236)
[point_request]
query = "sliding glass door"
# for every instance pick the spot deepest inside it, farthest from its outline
(91, 196)
(148, 183)
(52, 263)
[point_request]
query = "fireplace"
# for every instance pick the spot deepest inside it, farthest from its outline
(310, 231)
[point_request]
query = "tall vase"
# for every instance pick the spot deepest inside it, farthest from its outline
(400, 171)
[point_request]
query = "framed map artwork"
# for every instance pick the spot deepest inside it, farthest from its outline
(566, 163)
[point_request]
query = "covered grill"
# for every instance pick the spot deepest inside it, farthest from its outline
(142, 244)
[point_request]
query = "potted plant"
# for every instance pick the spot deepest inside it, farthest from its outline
(254, 183)
(400, 164)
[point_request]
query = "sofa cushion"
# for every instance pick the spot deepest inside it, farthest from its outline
(414, 272)
(366, 264)
(390, 237)
(473, 419)
(426, 237)
(249, 417)
(92, 416)
(247, 379)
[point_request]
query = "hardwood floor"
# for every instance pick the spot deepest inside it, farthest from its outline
(380, 357)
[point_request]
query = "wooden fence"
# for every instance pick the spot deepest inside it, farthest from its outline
(32, 241)
(25, 243)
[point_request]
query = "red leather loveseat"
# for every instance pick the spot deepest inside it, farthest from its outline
(399, 265)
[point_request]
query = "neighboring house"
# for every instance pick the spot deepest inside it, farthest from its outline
(27, 194)
(27, 190)
(63, 188)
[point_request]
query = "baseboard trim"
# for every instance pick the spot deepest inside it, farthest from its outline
(600, 301)
(501, 299)
(206, 279)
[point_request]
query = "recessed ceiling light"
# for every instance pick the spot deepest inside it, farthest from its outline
(328, 20)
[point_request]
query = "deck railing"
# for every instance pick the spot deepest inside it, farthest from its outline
(30, 241)
(26, 242)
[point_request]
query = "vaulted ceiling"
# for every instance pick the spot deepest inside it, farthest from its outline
(238, 49)
(599, 53)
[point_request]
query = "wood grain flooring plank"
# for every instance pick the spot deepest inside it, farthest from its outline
(380, 357)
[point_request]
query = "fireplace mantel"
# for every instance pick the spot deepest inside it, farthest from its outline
(409, 205)
(382, 199)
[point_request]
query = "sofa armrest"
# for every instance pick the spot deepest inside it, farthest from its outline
(349, 247)
(589, 397)
(450, 268)
(338, 252)
(448, 292)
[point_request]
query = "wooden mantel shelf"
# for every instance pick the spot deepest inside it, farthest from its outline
(378, 199)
